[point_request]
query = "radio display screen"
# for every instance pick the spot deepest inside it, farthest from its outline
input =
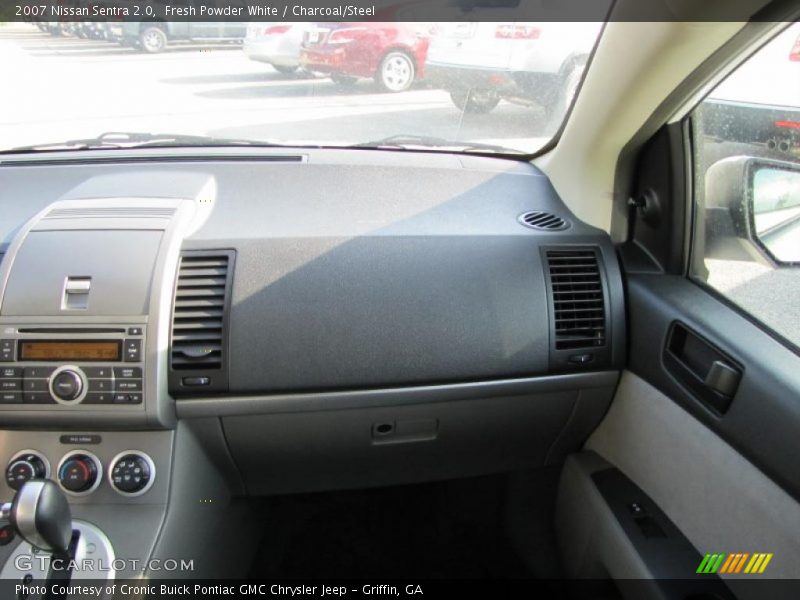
(68, 350)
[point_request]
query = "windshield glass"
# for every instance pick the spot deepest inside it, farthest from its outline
(466, 86)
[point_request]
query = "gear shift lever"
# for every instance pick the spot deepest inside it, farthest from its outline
(40, 514)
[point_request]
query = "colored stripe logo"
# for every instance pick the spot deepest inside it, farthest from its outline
(735, 562)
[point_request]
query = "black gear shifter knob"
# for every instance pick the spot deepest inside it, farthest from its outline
(40, 513)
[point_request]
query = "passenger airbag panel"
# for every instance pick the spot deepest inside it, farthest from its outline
(327, 313)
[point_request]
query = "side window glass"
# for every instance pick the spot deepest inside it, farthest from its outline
(746, 138)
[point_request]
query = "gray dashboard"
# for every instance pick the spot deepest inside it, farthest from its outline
(357, 269)
(384, 317)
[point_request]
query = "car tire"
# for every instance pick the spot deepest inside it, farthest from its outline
(396, 73)
(285, 69)
(153, 40)
(344, 80)
(475, 101)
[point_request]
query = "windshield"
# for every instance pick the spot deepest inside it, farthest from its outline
(494, 87)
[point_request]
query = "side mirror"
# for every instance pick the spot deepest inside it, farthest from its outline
(753, 209)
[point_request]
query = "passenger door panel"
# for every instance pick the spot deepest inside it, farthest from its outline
(763, 419)
(706, 420)
(728, 482)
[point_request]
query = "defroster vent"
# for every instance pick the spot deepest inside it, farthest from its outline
(199, 321)
(113, 212)
(578, 300)
(543, 221)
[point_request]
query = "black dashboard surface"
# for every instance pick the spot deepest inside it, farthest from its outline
(354, 268)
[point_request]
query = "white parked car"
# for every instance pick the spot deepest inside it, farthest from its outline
(275, 43)
(527, 63)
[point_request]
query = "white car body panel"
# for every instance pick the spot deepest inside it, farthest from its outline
(282, 49)
(476, 46)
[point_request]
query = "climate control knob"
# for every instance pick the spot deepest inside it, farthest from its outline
(131, 473)
(68, 385)
(25, 467)
(79, 472)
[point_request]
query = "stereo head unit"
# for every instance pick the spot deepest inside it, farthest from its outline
(71, 366)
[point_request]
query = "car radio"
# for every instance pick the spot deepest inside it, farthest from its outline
(71, 366)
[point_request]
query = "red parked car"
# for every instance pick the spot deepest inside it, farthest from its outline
(391, 53)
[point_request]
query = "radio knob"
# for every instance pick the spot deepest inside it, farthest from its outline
(78, 473)
(25, 468)
(67, 385)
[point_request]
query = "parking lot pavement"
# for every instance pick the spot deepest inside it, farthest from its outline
(58, 88)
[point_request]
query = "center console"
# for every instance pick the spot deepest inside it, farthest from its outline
(86, 288)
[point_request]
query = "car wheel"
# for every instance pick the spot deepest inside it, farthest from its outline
(286, 70)
(396, 72)
(153, 40)
(475, 101)
(344, 80)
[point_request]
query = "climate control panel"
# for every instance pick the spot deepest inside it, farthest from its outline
(108, 467)
(131, 473)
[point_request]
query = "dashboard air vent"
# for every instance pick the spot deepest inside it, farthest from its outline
(543, 221)
(112, 212)
(200, 312)
(578, 302)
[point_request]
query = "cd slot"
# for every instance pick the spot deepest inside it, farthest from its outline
(67, 330)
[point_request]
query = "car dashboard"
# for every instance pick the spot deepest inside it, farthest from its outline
(222, 323)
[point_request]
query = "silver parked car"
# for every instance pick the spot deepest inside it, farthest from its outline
(275, 43)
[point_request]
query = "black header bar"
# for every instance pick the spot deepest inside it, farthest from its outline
(387, 10)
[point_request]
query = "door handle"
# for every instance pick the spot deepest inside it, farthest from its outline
(723, 378)
(709, 374)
